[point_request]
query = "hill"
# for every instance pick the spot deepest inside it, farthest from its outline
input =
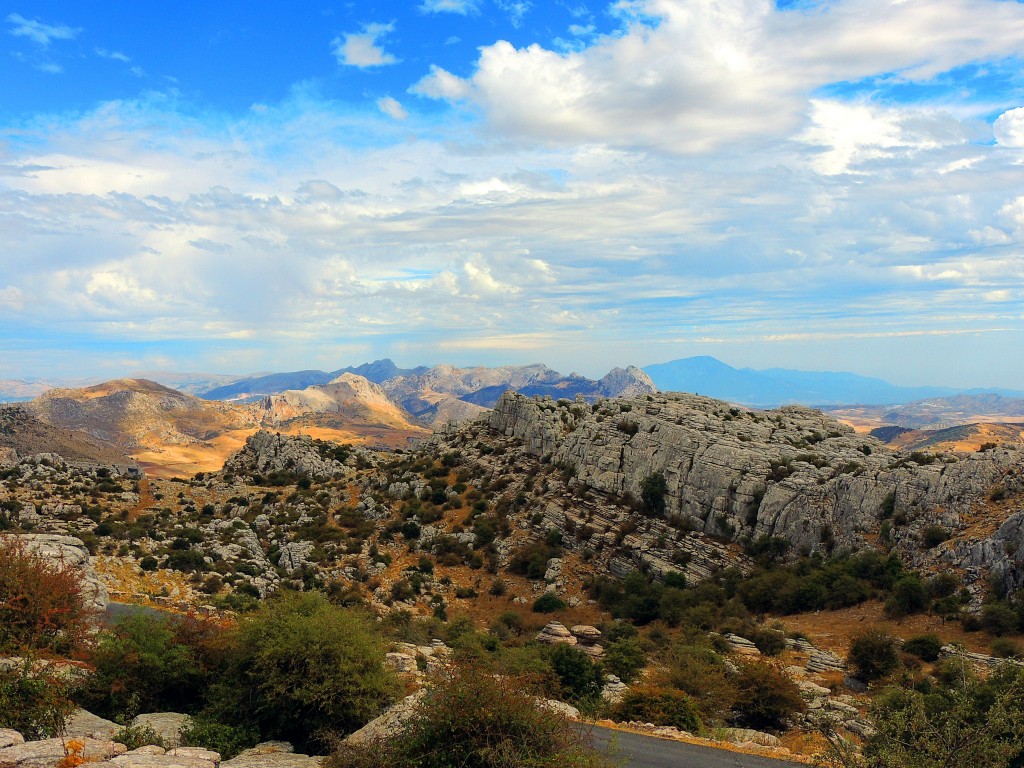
(22, 434)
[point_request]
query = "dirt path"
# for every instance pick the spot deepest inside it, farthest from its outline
(146, 500)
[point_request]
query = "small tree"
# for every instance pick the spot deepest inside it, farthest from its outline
(873, 655)
(301, 668)
(42, 605)
(652, 491)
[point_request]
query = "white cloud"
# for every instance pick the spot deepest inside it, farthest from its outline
(704, 74)
(442, 84)
(112, 55)
(1009, 128)
(516, 9)
(463, 7)
(363, 49)
(38, 32)
(392, 108)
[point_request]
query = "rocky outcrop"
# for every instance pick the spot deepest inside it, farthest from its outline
(267, 452)
(792, 473)
(70, 552)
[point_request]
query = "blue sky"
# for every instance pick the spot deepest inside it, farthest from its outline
(236, 187)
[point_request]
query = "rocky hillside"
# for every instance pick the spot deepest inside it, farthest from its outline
(135, 413)
(792, 473)
(22, 434)
(348, 397)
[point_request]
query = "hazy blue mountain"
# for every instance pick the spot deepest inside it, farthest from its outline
(778, 386)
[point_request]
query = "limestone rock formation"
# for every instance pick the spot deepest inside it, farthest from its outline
(266, 452)
(792, 473)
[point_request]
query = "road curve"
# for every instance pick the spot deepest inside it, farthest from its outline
(649, 752)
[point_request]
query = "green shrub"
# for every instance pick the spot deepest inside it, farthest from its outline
(909, 595)
(933, 535)
(1004, 648)
(228, 740)
(767, 697)
(300, 667)
(549, 602)
(999, 618)
(148, 663)
(660, 706)
(925, 647)
(703, 674)
(134, 737)
(35, 700)
(469, 719)
(624, 657)
(579, 677)
(873, 655)
(768, 641)
(963, 723)
(652, 492)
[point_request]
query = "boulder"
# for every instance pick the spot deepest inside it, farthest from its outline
(46, 753)
(86, 724)
(555, 633)
(9, 737)
(166, 725)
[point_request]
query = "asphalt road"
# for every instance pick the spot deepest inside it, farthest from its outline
(648, 752)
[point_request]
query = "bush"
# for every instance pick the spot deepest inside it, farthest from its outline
(873, 655)
(228, 740)
(579, 677)
(300, 667)
(999, 618)
(964, 723)
(624, 657)
(652, 492)
(660, 706)
(134, 737)
(909, 595)
(42, 606)
(35, 700)
(925, 647)
(933, 535)
(549, 602)
(768, 641)
(767, 697)
(703, 674)
(148, 663)
(1005, 648)
(469, 719)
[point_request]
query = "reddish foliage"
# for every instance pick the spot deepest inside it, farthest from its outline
(42, 607)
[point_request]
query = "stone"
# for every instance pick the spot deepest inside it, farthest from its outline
(197, 753)
(750, 736)
(166, 725)
(586, 634)
(148, 749)
(555, 633)
(46, 753)
(824, 661)
(855, 685)
(401, 662)
(162, 761)
(10, 737)
(388, 723)
(86, 724)
(566, 710)
(273, 760)
(268, 748)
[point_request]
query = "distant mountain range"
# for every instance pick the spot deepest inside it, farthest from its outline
(773, 387)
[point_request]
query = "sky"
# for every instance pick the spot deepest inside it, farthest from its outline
(234, 187)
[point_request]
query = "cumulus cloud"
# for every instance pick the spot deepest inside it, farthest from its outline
(363, 49)
(392, 108)
(1009, 128)
(688, 76)
(39, 32)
